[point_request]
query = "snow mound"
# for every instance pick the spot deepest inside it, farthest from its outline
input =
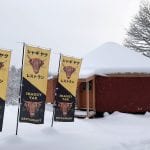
(117, 131)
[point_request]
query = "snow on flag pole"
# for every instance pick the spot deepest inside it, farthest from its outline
(20, 90)
(5, 56)
(66, 89)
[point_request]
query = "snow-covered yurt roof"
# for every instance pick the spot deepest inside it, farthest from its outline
(113, 58)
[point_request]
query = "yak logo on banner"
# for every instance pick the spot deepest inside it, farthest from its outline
(32, 108)
(4, 69)
(66, 89)
(36, 64)
(64, 107)
(35, 74)
(69, 70)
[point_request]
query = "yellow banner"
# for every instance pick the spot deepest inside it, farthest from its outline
(69, 73)
(4, 70)
(36, 64)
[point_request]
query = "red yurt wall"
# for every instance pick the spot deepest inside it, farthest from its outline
(122, 93)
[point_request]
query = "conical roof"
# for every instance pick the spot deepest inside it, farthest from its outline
(112, 57)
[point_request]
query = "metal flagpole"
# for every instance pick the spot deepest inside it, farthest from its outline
(20, 91)
(55, 92)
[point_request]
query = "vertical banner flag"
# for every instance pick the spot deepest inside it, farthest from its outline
(66, 89)
(4, 69)
(34, 85)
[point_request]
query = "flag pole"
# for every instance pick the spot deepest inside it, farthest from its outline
(20, 91)
(55, 91)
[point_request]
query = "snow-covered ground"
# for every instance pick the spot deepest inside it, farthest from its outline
(117, 131)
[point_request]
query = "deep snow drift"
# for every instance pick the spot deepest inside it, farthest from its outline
(113, 132)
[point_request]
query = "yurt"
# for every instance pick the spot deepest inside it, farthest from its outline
(112, 78)
(122, 79)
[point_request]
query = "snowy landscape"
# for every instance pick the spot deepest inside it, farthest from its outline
(111, 37)
(117, 131)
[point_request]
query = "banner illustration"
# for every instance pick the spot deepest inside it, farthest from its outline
(34, 84)
(66, 89)
(4, 70)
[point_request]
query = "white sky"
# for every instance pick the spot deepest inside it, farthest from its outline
(73, 27)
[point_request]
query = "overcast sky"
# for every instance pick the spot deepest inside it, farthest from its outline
(73, 27)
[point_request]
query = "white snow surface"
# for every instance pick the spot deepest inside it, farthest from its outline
(112, 57)
(117, 131)
(85, 73)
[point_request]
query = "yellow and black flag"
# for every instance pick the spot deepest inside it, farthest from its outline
(66, 89)
(34, 84)
(4, 69)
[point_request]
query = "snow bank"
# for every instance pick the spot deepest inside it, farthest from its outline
(113, 132)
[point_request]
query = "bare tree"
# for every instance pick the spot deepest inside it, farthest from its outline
(138, 34)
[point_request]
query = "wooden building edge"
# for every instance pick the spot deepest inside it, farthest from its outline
(82, 92)
(124, 92)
